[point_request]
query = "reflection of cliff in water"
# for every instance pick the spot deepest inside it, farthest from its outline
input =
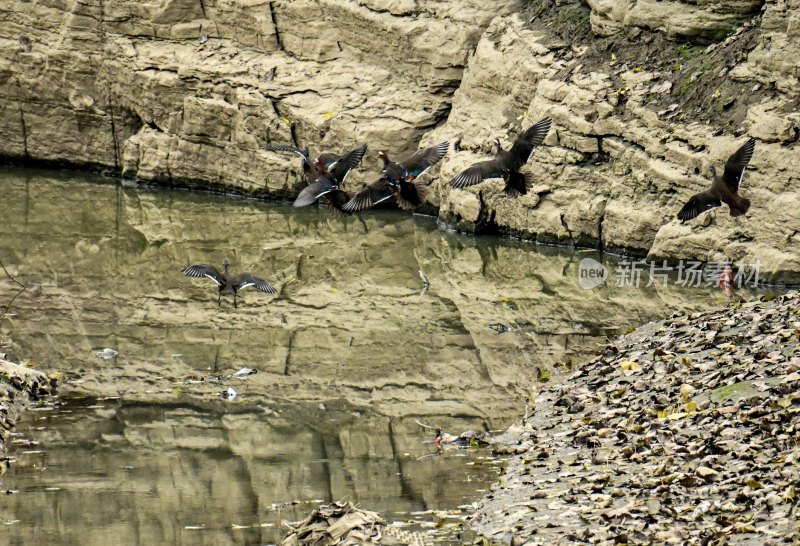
(174, 474)
(349, 322)
(351, 328)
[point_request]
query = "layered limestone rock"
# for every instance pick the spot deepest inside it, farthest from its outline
(644, 97)
(189, 92)
(678, 19)
(626, 150)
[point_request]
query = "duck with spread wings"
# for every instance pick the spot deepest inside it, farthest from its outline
(329, 181)
(319, 165)
(507, 163)
(398, 180)
(724, 189)
(226, 282)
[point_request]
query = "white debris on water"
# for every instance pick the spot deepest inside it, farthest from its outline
(107, 353)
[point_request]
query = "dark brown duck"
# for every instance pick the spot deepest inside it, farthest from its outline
(397, 180)
(321, 164)
(507, 163)
(330, 179)
(724, 189)
(227, 283)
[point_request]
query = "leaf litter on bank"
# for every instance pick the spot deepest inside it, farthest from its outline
(682, 432)
(336, 524)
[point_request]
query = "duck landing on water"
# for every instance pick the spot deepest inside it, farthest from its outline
(227, 283)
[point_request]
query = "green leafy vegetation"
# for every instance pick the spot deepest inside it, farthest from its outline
(689, 51)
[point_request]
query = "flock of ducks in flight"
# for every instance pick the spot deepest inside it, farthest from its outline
(398, 182)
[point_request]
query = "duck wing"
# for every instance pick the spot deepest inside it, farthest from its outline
(372, 194)
(534, 136)
(411, 195)
(734, 167)
(205, 270)
(245, 279)
(477, 173)
(322, 185)
(424, 159)
(349, 161)
(295, 150)
(698, 203)
(337, 199)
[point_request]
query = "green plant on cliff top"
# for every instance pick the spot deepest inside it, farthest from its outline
(689, 51)
(573, 15)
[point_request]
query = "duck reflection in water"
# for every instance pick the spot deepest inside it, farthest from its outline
(229, 284)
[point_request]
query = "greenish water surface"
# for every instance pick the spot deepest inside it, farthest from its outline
(353, 356)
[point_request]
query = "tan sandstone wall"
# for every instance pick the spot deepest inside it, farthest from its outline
(192, 91)
(645, 95)
(635, 131)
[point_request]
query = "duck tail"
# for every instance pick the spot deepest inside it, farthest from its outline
(411, 195)
(518, 184)
(336, 201)
(404, 203)
(422, 192)
(742, 206)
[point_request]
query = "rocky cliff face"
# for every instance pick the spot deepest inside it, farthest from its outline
(644, 96)
(192, 91)
(638, 119)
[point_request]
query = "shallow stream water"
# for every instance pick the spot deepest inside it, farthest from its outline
(355, 358)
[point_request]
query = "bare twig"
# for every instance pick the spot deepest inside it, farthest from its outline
(525, 417)
(22, 289)
(424, 425)
(425, 282)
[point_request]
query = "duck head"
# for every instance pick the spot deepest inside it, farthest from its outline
(226, 263)
(497, 145)
(712, 170)
(319, 166)
(385, 157)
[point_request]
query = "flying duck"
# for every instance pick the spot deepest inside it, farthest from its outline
(227, 283)
(507, 163)
(723, 189)
(398, 180)
(330, 179)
